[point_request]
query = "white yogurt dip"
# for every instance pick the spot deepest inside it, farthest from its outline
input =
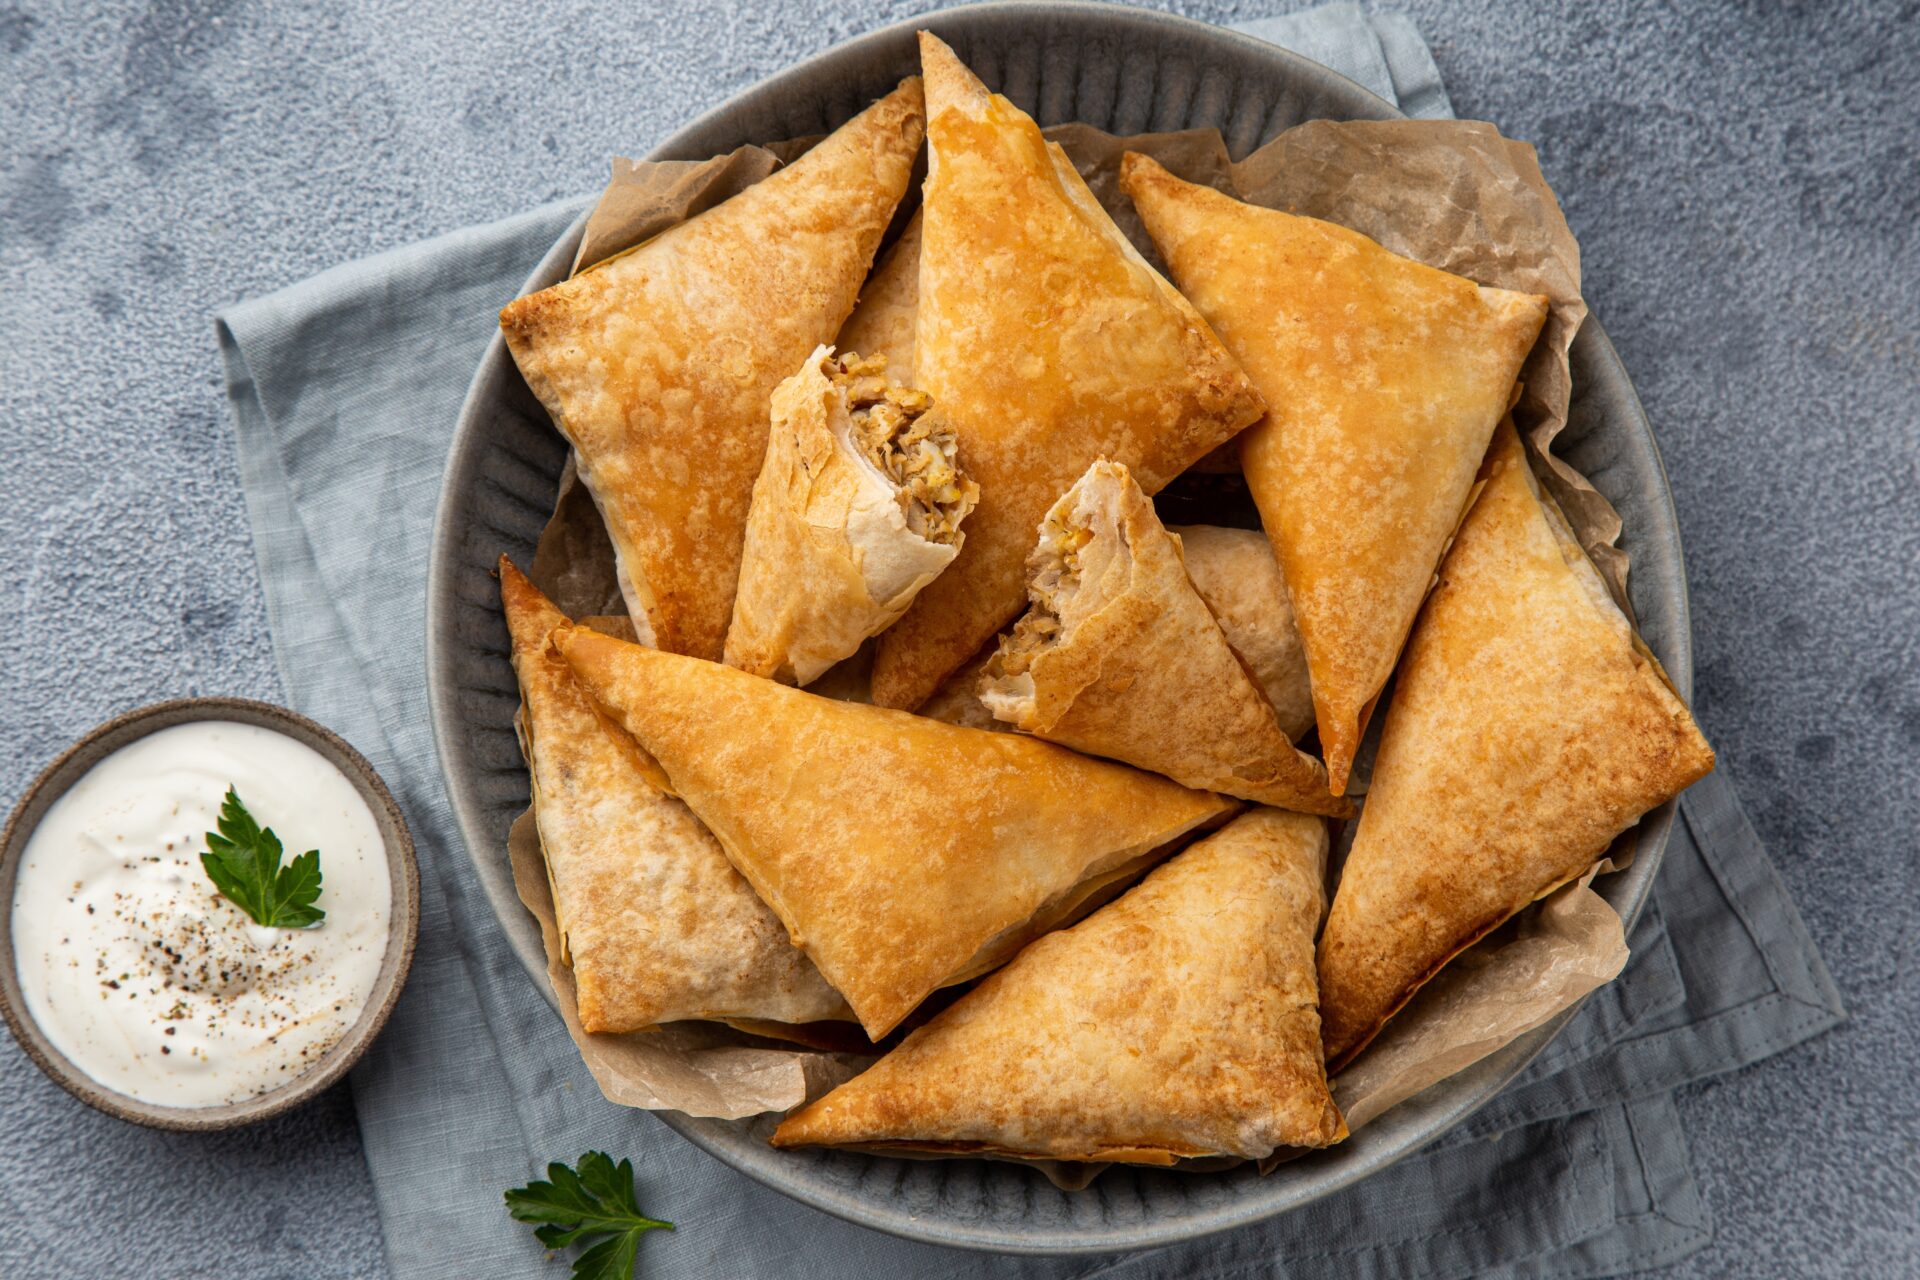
(135, 966)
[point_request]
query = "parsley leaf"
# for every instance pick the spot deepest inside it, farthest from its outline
(243, 861)
(596, 1201)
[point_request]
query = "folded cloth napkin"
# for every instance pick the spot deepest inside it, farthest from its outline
(345, 389)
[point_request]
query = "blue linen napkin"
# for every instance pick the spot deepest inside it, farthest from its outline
(345, 389)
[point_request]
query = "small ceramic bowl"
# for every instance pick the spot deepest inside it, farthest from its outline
(53, 783)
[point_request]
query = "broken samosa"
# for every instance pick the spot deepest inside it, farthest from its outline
(858, 506)
(1120, 657)
(658, 364)
(1235, 573)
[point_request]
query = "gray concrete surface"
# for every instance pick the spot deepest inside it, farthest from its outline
(1745, 180)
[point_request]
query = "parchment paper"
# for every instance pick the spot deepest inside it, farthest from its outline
(1513, 982)
(1453, 194)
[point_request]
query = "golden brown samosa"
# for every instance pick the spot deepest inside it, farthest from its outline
(1385, 379)
(1160, 1028)
(1120, 657)
(656, 923)
(657, 364)
(902, 854)
(1051, 343)
(858, 506)
(1235, 573)
(882, 322)
(1528, 728)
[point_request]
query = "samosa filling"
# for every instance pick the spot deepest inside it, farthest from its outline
(896, 430)
(1057, 579)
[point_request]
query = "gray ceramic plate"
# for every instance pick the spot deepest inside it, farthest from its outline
(404, 878)
(1125, 71)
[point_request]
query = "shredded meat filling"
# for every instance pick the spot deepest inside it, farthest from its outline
(1039, 627)
(896, 430)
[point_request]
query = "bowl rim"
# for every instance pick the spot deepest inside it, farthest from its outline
(1429, 1115)
(108, 737)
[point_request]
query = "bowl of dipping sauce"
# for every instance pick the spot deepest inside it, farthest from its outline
(136, 983)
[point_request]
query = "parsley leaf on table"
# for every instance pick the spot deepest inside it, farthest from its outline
(596, 1201)
(243, 861)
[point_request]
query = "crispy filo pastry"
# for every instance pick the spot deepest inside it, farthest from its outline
(657, 364)
(1160, 1028)
(858, 506)
(1120, 657)
(1385, 379)
(1529, 726)
(1235, 573)
(1051, 343)
(958, 700)
(882, 323)
(902, 854)
(656, 923)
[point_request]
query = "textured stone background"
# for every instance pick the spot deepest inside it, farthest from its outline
(1745, 179)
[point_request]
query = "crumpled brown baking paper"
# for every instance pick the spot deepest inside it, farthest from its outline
(1508, 985)
(1454, 194)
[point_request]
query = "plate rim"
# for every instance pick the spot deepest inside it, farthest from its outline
(1473, 1088)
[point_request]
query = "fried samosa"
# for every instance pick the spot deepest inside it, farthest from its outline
(1235, 573)
(1120, 657)
(658, 364)
(1385, 379)
(1161, 1027)
(1529, 727)
(656, 923)
(858, 506)
(882, 322)
(1051, 343)
(902, 854)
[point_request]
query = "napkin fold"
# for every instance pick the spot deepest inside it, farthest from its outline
(345, 389)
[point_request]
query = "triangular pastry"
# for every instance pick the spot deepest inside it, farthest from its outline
(656, 923)
(1529, 727)
(1120, 657)
(657, 364)
(902, 854)
(1384, 380)
(1235, 573)
(858, 506)
(1051, 343)
(1160, 1028)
